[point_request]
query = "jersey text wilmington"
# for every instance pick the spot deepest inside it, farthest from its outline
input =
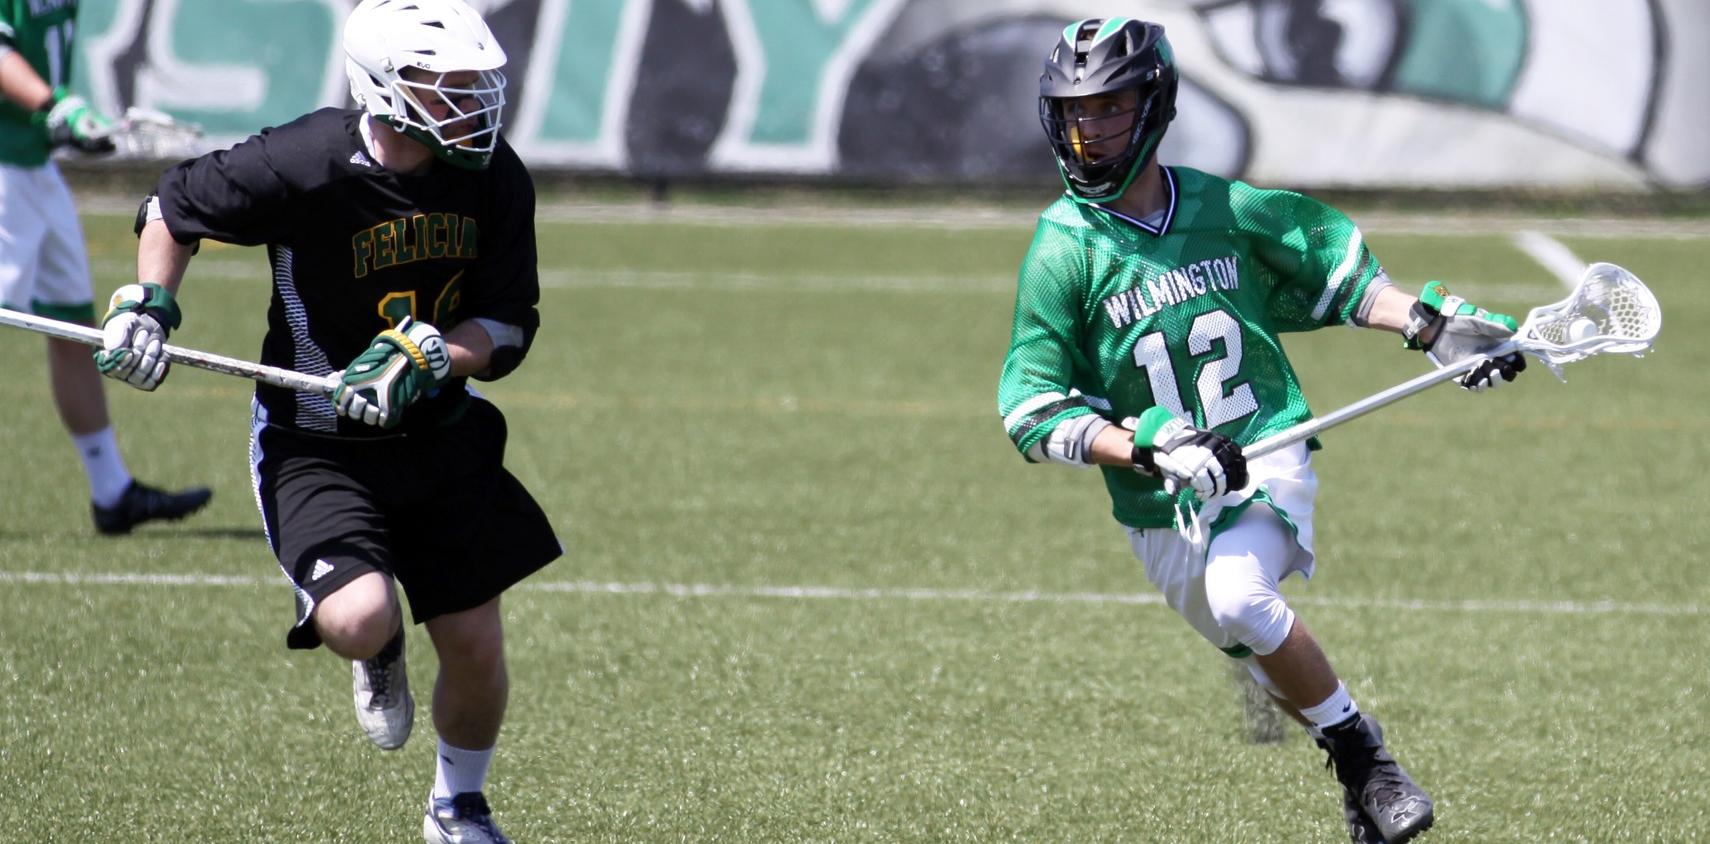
(1172, 288)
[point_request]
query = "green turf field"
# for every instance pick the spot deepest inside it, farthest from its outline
(812, 594)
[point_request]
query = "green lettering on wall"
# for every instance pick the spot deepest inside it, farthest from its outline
(582, 69)
(277, 48)
(1487, 39)
(794, 63)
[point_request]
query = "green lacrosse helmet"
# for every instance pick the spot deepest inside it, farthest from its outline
(1105, 56)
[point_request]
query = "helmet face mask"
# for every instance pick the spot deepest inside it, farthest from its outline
(430, 69)
(1107, 78)
(1096, 129)
(460, 121)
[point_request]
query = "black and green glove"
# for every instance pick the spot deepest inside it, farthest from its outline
(69, 120)
(1186, 457)
(1449, 329)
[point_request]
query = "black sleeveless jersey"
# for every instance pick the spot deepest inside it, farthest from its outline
(355, 248)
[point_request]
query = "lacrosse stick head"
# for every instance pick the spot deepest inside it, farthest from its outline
(148, 135)
(1609, 311)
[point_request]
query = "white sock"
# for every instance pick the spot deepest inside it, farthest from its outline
(108, 477)
(460, 770)
(1335, 709)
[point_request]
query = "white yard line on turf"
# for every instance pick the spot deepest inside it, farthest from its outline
(707, 590)
(1552, 254)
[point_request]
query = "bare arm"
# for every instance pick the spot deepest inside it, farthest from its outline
(471, 348)
(1390, 309)
(160, 258)
(1114, 446)
(21, 84)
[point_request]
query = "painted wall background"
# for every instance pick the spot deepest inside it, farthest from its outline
(1364, 93)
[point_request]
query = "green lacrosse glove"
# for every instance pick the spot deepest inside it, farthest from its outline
(1456, 330)
(133, 335)
(69, 120)
(401, 365)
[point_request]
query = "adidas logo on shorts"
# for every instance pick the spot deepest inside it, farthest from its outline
(322, 569)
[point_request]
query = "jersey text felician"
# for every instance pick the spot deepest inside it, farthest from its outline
(355, 248)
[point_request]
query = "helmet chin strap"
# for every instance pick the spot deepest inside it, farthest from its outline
(389, 147)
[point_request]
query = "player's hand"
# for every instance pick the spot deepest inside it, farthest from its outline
(70, 120)
(133, 335)
(1450, 329)
(401, 365)
(1185, 456)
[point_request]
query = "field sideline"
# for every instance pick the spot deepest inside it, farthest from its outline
(811, 593)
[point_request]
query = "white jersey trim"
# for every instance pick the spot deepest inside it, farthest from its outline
(1355, 242)
(258, 422)
(1026, 408)
(314, 411)
(1147, 224)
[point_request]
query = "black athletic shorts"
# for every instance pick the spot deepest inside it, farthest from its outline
(436, 510)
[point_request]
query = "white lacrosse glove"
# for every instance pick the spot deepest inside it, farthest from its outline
(401, 365)
(1185, 456)
(1459, 330)
(133, 335)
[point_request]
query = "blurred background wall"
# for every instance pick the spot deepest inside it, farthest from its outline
(1575, 94)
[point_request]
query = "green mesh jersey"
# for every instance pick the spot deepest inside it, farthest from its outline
(1113, 316)
(40, 31)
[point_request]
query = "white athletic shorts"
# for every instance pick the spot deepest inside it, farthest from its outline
(43, 268)
(1176, 565)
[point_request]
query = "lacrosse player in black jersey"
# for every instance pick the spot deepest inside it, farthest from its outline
(401, 238)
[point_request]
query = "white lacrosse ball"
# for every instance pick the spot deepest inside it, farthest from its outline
(1581, 329)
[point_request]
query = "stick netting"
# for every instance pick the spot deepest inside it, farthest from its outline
(1610, 311)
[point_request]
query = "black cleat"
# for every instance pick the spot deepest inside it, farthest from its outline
(1374, 784)
(1361, 830)
(143, 503)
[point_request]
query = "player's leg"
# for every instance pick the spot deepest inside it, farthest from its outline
(62, 290)
(470, 694)
(1244, 564)
(478, 535)
(332, 542)
(469, 699)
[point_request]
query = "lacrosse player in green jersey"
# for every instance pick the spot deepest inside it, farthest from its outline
(43, 268)
(1146, 342)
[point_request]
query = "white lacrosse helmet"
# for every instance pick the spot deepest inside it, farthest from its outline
(383, 37)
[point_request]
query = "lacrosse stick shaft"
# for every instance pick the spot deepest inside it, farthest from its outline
(1623, 315)
(189, 357)
(1317, 425)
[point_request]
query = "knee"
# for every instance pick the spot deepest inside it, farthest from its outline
(1253, 613)
(358, 620)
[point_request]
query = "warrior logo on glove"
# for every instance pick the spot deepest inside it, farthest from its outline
(401, 365)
